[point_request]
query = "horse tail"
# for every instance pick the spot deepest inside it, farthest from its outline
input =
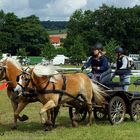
(98, 94)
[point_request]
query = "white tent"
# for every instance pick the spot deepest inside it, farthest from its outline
(59, 59)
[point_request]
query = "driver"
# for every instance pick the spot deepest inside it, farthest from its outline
(98, 62)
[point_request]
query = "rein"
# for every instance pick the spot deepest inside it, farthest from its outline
(51, 91)
(36, 92)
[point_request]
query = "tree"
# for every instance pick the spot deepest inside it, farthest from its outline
(21, 52)
(23, 33)
(77, 53)
(110, 49)
(33, 36)
(74, 24)
(48, 51)
(121, 24)
(61, 51)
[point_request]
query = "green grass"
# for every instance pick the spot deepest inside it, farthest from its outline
(32, 129)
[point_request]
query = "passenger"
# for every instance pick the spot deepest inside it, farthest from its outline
(98, 62)
(122, 68)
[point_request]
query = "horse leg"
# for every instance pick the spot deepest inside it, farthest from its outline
(14, 105)
(55, 113)
(89, 106)
(20, 107)
(49, 114)
(49, 105)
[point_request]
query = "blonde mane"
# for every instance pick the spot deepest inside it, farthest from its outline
(49, 70)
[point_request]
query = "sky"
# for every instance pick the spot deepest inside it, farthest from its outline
(58, 10)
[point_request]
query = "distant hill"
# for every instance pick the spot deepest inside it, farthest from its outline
(54, 25)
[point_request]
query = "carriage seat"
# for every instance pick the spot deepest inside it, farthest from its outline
(117, 84)
(106, 77)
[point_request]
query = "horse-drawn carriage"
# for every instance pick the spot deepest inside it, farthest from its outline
(74, 89)
(119, 102)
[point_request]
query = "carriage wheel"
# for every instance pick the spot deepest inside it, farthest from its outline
(80, 114)
(100, 114)
(116, 110)
(135, 111)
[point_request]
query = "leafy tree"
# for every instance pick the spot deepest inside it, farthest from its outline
(2, 15)
(74, 24)
(54, 24)
(110, 50)
(77, 53)
(61, 51)
(33, 36)
(0, 55)
(121, 24)
(21, 52)
(48, 51)
(18, 33)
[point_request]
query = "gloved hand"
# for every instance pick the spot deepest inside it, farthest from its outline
(83, 67)
(95, 68)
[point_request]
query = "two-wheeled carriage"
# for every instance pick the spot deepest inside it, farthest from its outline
(119, 103)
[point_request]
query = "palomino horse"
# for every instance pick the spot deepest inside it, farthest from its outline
(46, 78)
(9, 70)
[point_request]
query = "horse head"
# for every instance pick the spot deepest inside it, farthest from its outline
(2, 71)
(38, 76)
(23, 80)
(9, 69)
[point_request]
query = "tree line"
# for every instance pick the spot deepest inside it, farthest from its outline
(109, 25)
(54, 25)
(25, 34)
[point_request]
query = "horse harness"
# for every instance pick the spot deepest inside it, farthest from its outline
(34, 92)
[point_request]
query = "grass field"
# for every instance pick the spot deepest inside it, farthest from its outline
(32, 129)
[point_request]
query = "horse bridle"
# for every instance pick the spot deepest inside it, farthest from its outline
(3, 72)
(28, 80)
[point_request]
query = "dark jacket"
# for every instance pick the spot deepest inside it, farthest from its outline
(102, 63)
(122, 66)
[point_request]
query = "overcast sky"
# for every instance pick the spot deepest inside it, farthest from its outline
(57, 9)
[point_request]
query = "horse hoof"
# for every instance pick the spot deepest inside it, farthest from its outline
(14, 128)
(74, 124)
(23, 118)
(55, 126)
(48, 128)
(89, 124)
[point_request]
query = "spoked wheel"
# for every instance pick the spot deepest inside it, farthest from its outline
(80, 115)
(100, 114)
(135, 111)
(116, 110)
